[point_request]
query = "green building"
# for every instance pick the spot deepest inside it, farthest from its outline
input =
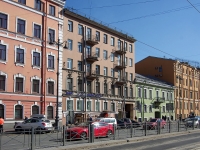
(154, 98)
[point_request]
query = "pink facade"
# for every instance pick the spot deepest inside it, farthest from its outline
(28, 63)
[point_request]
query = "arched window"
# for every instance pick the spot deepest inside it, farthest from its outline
(18, 111)
(50, 112)
(35, 109)
(1, 110)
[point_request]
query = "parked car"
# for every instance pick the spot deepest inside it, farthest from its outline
(43, 125)
(124, 123)
(192, 121)
(135, 124)
(101, 129)
(153, 123)
(108, 120)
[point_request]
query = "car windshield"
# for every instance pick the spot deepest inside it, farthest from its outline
(153, 120)
(195, 119)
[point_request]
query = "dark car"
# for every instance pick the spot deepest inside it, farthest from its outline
(124, 123)
(135, 124)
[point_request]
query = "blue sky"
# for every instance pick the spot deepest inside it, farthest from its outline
(171, 26)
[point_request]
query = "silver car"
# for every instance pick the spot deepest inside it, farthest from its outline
(43, 125)
(192, 121)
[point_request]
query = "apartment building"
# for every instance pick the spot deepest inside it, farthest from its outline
(154, 98)
(182, 75)
(98, 70)
(27, 61)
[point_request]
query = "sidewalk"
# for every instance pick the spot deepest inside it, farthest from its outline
(101, 144)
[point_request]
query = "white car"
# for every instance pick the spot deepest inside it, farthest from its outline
(43, 125)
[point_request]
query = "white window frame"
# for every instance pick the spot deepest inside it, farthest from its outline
(112, 72)
(130, 62)
(70, 26)
(70, 62)
(103, 105)
(6, 76)
(99, 105)
(36, 50)
(35, 78)
(19, 76)
(70, 48)
(34, 23)
(34, 105)
(112, 41)
(8, 19)
(112, 57)
(89, 100)
(105, 71)
(131, 76)
(51, 80)
(18, 64)
(79, 25)
(51, 54)
(105, 54)
(70, 99)
(54, 32)
(17, 26)
(79, 99)
(2, 43)
(80, 45)
(130, 48)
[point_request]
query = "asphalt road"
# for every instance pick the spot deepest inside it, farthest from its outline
(182, 142)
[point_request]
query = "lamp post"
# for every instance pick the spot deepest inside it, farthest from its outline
(179, 78)
(58, 43)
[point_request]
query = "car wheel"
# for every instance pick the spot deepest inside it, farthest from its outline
(83, 135)
(18, 129)
(109, 133)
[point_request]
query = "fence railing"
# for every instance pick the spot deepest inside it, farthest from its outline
(87, 133)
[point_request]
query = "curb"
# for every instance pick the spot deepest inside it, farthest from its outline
(101, 144)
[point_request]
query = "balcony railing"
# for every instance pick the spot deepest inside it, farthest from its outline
(119, 64)
(119, 50)
(92, 57)
(91, 74)
(92, 39)
(120, 80)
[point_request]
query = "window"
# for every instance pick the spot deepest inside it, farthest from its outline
(80, 85)
(36, 59)
(150, 94)
(163, 95)
(70, 26)
(190, 95)
(126, 91)
(126, 75)
(112, 72)
(119, 45)
(98, 69)
(190, 82)
(89, 87)
(18, 111)
(79, 47)
(2, 83)
(19, 84)
(119, 90)
(113, 106)
(89, 34)
(112, 41)
(79, 105)
(112, 57)
(2, 52)
(131, 77)
(97, 52)
(105, 88)
(131, 92)
(80, 65)
(130, 62)
(70, 44)
(70, 84)
(97, 36)
(125, 61)
(145, 108)
(35, 109)
(105, 55)
(69, 63)
(80, 29)
(50, 112)
(167, 96)
(105, 38)
(112, 89)
(3, 21)
(105, 105)
(20, 56)
(125, 46)
(145, 93)
(163, 109)
(97, 87)
(37, 31)
(50, 62)
(21, 26)
(105, 71)
(97, 108)
(69, 104)
(150, 108)
(89, 105)
(22, 1)
(38, 5)
(130, 48)
(51, 10)
(51, 35)
(157, 94)
(191, 105)
(50, 87)
(36, 86)
(139, 92)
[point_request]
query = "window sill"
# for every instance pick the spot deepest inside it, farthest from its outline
(36, 67)
(3, 62)
(51, 70)
(50, 94)
(18, 64)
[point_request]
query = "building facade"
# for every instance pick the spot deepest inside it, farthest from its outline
(183, 76)
(98, 70)
(27, 61)
(155, 99)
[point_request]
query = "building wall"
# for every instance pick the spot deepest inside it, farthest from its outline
(10, 69)
(75, 74)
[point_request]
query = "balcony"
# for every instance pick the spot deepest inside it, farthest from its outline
(119, 65)
(119, 50)
(158, 100)
(120, 81)
(92, 39)
(91, 75)
(92, 57)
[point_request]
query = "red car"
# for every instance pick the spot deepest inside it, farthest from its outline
(153, 123)
(101, 129)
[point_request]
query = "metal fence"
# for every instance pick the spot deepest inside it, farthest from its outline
(88, 133)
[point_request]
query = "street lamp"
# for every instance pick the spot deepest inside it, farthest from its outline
(58, 43)
(179, 78)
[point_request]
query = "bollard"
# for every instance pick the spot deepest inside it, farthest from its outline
(114, 131)
(131, 128)
(63, 135)
(32, 139)
(169, 126)
(178, 126)
(89, 128)
(145, 128)
(91, 133)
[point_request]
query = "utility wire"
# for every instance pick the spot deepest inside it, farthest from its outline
(193, 6)
(118, 5)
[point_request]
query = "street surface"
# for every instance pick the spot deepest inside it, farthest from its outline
(182, 142)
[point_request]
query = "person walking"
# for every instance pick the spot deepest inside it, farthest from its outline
(1, 124)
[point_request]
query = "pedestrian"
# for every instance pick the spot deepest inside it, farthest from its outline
(26, 118)
(1, 124)
(135, 118)
(90, 118)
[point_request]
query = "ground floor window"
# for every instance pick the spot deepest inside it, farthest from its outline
(35, 109)
(50, 112)
(18, 111)
(1, 110)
